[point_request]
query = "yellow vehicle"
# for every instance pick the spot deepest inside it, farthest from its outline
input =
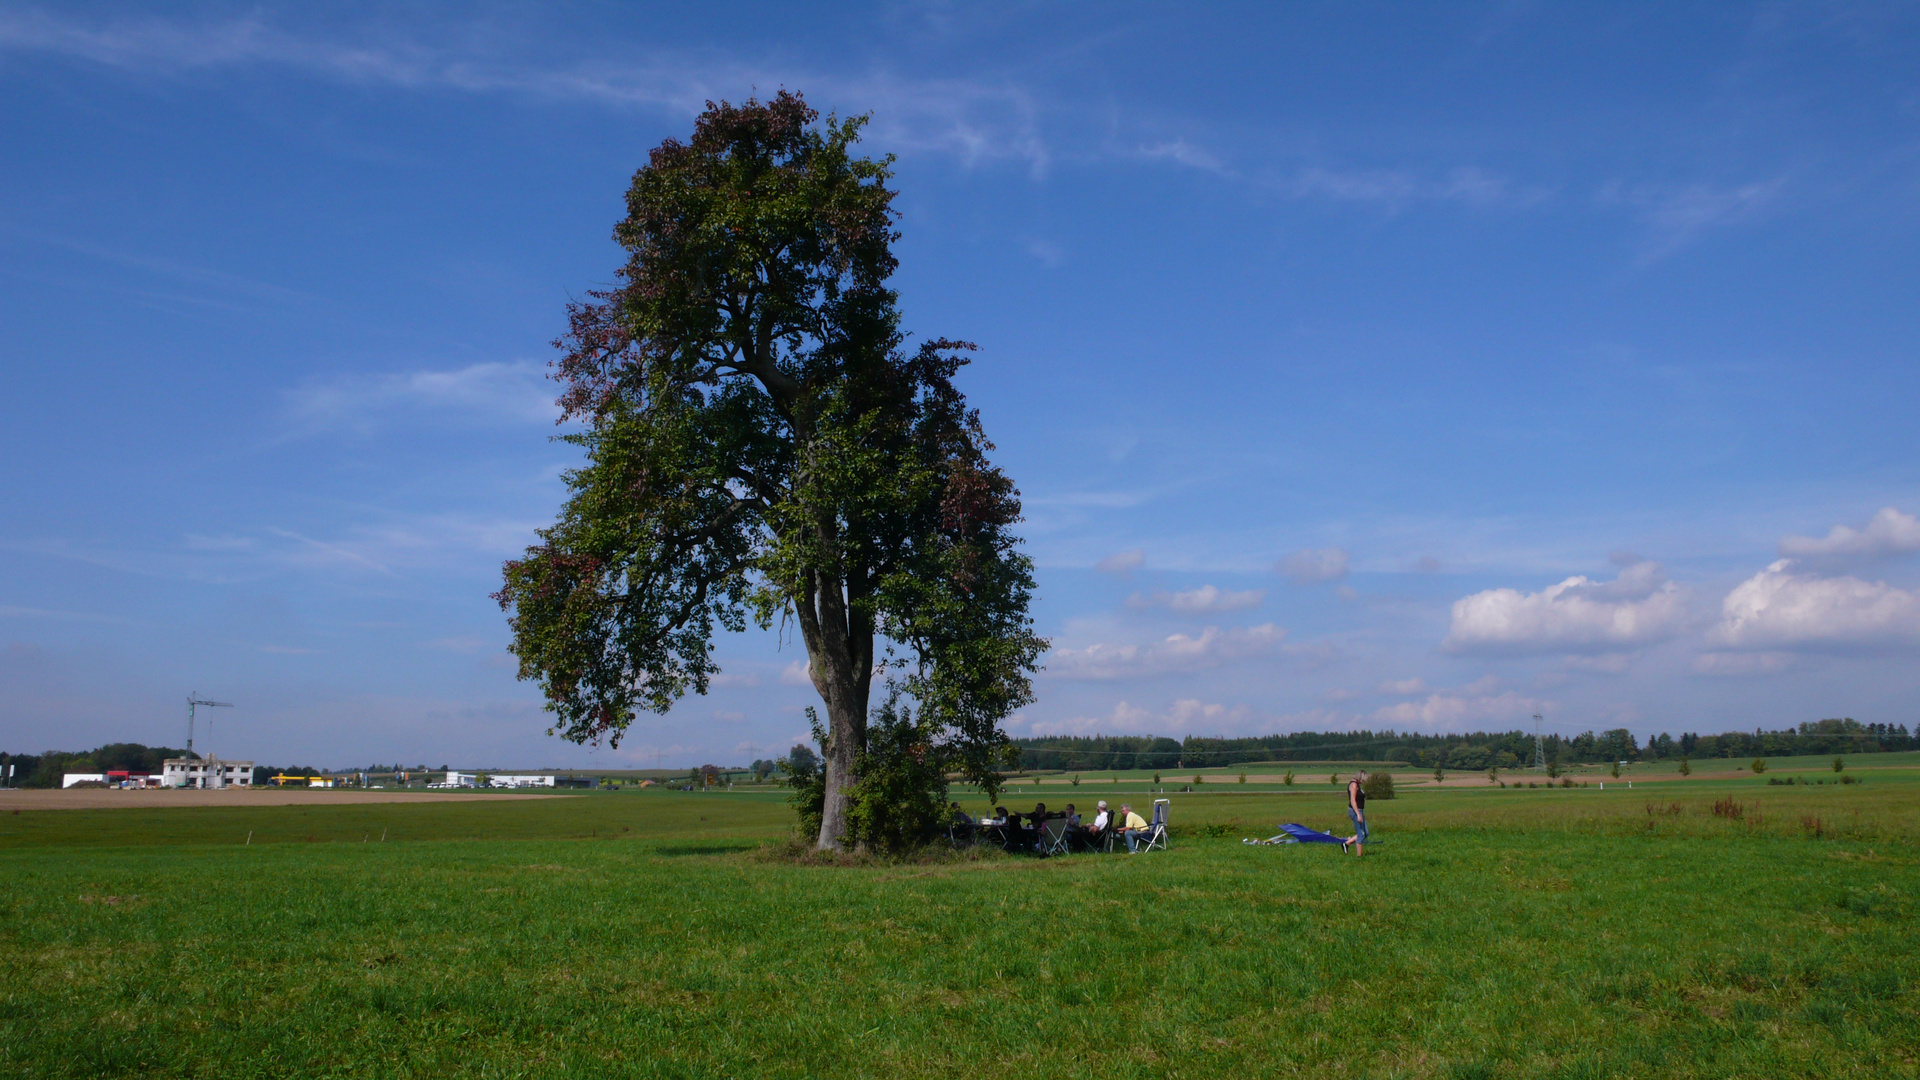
(308, 781)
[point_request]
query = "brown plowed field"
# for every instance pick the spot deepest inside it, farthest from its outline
(113, 798)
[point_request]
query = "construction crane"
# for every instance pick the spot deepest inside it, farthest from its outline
(193, 700)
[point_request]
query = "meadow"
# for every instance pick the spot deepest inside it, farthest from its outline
(1490, 933)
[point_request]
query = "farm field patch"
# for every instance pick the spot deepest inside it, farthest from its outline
(1491, 933)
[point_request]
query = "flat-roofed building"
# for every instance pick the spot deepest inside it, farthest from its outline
(512, 780)
(205, 773)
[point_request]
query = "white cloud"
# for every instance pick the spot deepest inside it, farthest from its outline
(1125, 719)
(1455, 710)
(1781, 608)
(1311, 565)
(1637, 608)
(1603, 663)
(795, 674)
(1188, 716)
(1744, 663)
(1202, 600)
(1677, 214)
(1414, 685)
(1185, 153)
(1122, 562)
(516, 393)
(724, 680)
(1888, 533)
(977, 120)
(1178, 653)
(1395, 189)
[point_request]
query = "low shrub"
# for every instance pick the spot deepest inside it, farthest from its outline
(1728, 807)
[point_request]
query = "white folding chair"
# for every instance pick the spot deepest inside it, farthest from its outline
(1157, 828)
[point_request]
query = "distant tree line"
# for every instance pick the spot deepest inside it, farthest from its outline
(1477, 750)
(44, 770)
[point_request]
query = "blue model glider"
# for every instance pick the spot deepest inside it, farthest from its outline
(1302, 834)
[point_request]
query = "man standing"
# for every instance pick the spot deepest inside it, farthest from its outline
(1357, 810)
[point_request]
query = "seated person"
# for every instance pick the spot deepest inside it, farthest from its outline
(1133, 827)
(1076, 832)
(957, 816)
(1102, 824)
(999, 816)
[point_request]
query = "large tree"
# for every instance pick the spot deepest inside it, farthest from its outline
(760, 442)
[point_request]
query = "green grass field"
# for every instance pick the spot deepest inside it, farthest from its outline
(1490, 933)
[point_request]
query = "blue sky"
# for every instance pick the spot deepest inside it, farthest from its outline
(1412, 366)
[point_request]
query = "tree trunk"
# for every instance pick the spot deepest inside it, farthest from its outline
(839, 659)
(846, 732)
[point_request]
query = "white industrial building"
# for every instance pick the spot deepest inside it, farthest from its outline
(67, 780)
(206, 773)
(506, 780)
(457, 779)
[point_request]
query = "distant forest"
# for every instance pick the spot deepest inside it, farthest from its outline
(1479, 750)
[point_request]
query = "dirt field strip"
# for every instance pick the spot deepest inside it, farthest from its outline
(148, 798)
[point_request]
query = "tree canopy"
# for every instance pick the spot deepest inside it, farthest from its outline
(760, 443)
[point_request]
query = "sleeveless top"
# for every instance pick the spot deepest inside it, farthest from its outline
(1359, 794)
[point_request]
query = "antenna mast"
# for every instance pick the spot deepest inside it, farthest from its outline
(1539, 745)
(194, 699)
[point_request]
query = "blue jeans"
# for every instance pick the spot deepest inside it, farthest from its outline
(1359, 826)
(1135, 837)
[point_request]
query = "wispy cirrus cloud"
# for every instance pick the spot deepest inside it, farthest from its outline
(516, 392)
(1174, 654)
(1204, 600)
(1313, 565)
(1675, 215)
(1396, 189)
(978, 120)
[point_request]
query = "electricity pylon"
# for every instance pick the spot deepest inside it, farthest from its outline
(1539, 745)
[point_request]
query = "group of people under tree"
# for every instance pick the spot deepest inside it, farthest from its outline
(1024, 832)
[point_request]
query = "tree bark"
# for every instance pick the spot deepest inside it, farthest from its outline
(839, 660)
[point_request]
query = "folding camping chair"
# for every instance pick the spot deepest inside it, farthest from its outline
(1053, 836)
(1157, 828)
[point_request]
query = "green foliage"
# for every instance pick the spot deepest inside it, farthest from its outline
(1288, 778)
(1838, 765)
(1439, 773)
(1378, 785)
(758, 445)
(1615, 770)
(900, 800)
(1759, 765)
(1686, 766)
